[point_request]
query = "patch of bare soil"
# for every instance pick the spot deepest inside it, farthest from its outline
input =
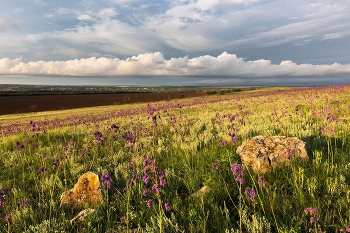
(25, 104)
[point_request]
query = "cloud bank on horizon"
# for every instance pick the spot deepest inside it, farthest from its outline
(213, 38)
(154, 64)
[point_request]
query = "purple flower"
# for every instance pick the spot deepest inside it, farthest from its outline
(238, 172)
(162, 182)
(146, 179)
(145, 192)
(25, 203)
(4, 191)
(314, 219)
(215, 166)
(310, 210)
(240, 179)
(261, 181)
(233, 137)
(167, 207)
(8, 217)
(155, 188)
(107, 179)
(237, 169)
(347, 228)
(149, 203)
(41, 169)
(313, 210)
(122, 218)
(250, 192)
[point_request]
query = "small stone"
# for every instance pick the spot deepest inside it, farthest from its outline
(82, 215)
(200, 193)
(263, 153)
(85, 191)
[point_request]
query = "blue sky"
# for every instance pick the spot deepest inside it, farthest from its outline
(175, 42)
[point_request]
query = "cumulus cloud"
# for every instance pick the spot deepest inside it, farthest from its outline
(154, 64)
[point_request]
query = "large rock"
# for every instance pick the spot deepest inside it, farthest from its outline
(85, 191)
(263, 153)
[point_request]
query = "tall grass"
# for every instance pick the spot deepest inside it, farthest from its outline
(153, 157)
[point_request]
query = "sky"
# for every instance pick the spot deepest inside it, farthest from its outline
(175, 42)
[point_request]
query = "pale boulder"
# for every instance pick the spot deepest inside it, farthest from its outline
(264, 153)
(86, 191)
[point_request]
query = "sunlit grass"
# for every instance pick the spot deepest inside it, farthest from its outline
(159, 154)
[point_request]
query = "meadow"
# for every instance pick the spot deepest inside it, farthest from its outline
(153, 158)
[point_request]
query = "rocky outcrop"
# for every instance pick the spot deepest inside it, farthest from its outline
(85, 191)
(263, 153)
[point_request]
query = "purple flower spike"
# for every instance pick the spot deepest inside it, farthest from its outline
(167, 207)
(107, 179)
(216, 166)
(146, 179)
(162, 182)
(4, 191)
(25, 203)
(145, 192)
(41, 169)
(347, 228)
(149, 203)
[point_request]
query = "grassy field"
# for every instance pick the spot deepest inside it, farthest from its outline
(155, 157)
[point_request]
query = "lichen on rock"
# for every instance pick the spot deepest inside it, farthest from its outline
(86, 191)
(263, 153)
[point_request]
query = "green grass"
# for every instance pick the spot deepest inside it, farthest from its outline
(174, 145)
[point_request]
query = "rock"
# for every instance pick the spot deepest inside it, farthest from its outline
(82, 215)
(263, 153)
(200, 193)
(85, 191)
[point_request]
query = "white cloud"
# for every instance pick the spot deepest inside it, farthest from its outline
(71, 52)
(121, 28)
(154, 64)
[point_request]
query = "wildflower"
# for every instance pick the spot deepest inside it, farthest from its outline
(250, 192)
(261, 181)
(216, 166)
(155, 188)
(4, 191)
(8, 217)
(314, 219)
(149, 203)
(167, 207)
(237, 169)
(233, 138)
(145, 192)
(238, 172)
(162, 182)
(114, 126)
(25, 203)
(146, 179)
(41, 169)
(310, 210)
(1, 202)
(240, 179)
(107, 179)
(122, 218)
